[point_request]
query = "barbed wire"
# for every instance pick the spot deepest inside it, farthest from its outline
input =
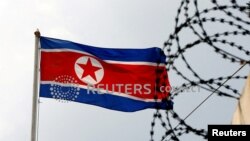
(195, 20)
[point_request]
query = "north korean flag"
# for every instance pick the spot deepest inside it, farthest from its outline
(119, 79)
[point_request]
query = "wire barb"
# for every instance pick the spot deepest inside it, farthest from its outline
(221, 42)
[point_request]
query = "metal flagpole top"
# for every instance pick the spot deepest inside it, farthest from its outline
(37, 33)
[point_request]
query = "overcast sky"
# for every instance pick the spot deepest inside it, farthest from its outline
(103, 23)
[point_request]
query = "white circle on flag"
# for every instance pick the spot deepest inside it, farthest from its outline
(89, 70)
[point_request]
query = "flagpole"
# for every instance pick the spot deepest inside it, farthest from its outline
(35, 89)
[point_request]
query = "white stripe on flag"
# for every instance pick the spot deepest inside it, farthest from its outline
(108, 61)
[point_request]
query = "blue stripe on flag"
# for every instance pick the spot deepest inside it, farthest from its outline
(154, 54)
(110, 101)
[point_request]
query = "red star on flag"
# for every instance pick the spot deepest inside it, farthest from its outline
(89, 69)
